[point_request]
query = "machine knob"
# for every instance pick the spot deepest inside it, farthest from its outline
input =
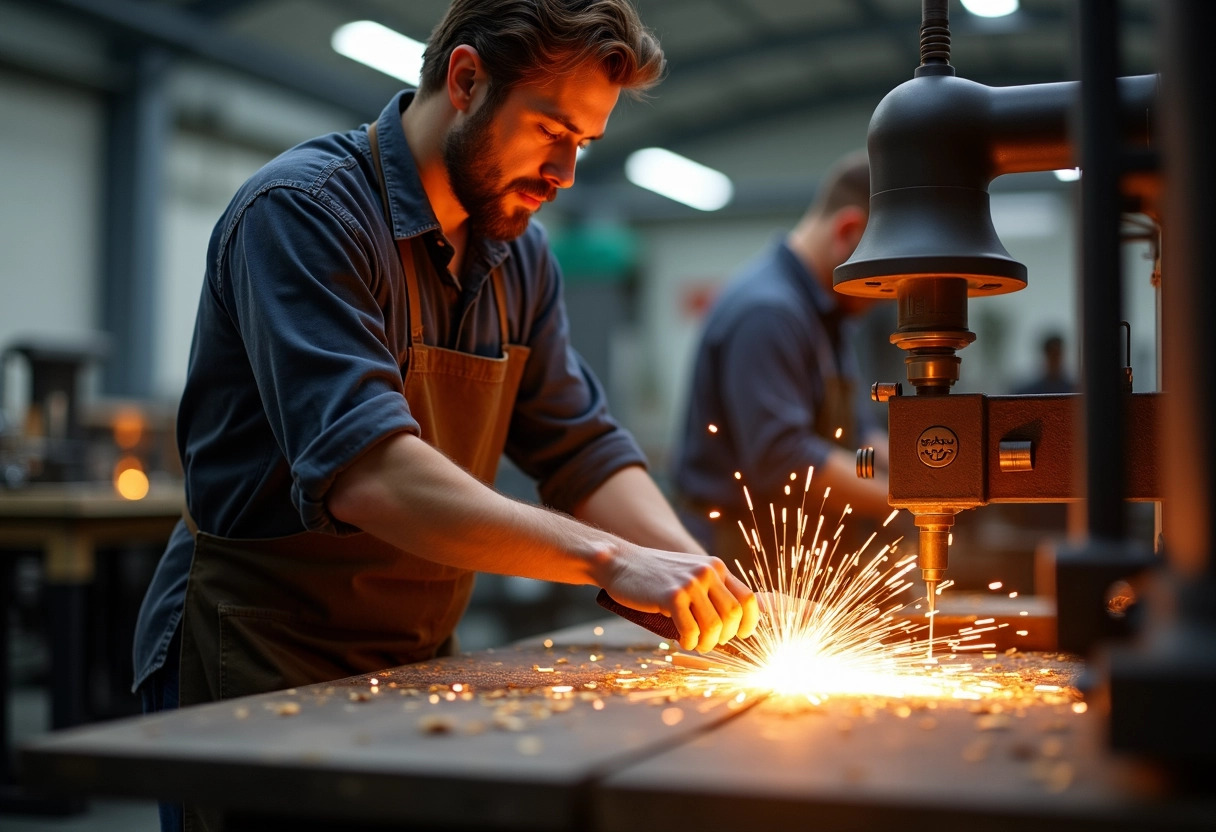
(880, 391)
(865, 463)
(1016, 455)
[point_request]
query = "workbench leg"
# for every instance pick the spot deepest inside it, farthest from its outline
(13, 798)
(66, 608)
(7, 566)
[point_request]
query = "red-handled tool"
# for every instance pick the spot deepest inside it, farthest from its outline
(655, 622)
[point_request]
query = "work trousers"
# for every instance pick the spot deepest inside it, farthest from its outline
(159, 693)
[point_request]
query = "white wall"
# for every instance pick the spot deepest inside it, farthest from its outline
(50, 176)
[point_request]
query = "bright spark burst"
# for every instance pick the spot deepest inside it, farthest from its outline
(831, 622)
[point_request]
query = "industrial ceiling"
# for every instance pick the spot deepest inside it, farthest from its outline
(735, 66)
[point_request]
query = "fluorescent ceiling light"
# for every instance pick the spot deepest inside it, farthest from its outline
(991, 8)
(380, 48)
(1068, 174)
(678, 178)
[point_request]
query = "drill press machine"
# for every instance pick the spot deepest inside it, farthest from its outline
(1144, 146)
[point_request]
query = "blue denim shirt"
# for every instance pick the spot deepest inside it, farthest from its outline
(301, 342)
(771, 339)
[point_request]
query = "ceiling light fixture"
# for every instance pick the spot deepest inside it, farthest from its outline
(679, 178)
(381, 48)
(991, 8)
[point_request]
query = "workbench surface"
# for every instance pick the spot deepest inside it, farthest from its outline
(544, 738)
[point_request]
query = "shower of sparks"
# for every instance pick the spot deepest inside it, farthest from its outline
(831, 623)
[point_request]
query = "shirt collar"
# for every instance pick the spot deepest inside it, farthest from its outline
(409, 208)
(806, 281)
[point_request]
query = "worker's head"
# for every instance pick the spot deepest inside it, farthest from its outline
(530, 82)
(833, 224)
(1053, 353)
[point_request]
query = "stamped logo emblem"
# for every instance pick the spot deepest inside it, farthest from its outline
(937, 446)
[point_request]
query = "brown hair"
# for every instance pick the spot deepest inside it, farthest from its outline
(527, 41)
(847, 182)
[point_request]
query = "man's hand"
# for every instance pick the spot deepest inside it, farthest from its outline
(708, 604)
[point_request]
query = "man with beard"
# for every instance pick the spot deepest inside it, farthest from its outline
(379, 321)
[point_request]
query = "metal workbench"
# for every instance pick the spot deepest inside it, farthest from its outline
(494, 740)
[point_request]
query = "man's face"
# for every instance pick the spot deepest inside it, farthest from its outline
(505, 163)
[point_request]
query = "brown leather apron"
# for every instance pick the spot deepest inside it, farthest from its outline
(268, 614)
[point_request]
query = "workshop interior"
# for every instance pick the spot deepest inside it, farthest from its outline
(1039, 168)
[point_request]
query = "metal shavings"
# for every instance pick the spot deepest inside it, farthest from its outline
(977, 751)
(672, 716)
(1055, 775)
(529, 746)
(436, 724)
(286, 708)
(359, 696)
(240, 712)
(508, 722)
(993, 722)
(1052, 747)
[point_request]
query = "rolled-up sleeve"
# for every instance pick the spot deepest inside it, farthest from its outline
(301, 287)
(562, 434)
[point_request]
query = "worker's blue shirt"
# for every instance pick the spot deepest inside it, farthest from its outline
(300, 346)
(771, 339)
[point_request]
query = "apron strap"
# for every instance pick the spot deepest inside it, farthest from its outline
(189, 521)
(409, 262)
(500, 299)
(375, 144)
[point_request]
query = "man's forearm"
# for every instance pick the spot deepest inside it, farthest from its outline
(630, 504)
(408, 494)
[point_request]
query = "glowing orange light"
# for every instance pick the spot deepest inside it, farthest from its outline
(128, 427)
(839, 432)
(130, 481)
(715, 514)
(995, 585)
(713, 428)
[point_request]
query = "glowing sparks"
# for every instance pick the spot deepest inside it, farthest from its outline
(713, 428)
(832, 620)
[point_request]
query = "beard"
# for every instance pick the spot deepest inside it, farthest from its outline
(475, 172)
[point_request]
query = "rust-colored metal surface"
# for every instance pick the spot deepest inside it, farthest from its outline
(850, 764)
(592, 728)
(506, 739)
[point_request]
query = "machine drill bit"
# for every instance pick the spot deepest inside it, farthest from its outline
(933, 558)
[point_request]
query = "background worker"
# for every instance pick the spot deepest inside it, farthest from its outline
(1052, 377)
(379, 319)
(776, 375)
